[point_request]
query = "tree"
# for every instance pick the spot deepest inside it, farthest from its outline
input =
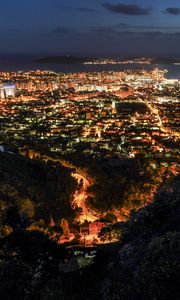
(65, 228)
(27, 210)
(5, 230)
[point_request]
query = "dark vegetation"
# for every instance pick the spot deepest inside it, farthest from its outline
(145, 264)
(31, 190)
(132, 107)
(121, 183)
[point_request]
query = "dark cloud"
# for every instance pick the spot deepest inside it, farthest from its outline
(63, 30)
(172, 11)
(154, 34)
(86, 9)
(127, 9)
(159, 34)
(122, 24)
(142, 34)
(117, 30)
(150, 27)
(176, 34)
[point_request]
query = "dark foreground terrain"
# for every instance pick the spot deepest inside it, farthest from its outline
(144, 264)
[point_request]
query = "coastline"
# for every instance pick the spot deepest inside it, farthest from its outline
(26, 63)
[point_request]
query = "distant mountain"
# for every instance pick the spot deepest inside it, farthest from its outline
(68, 59)
(63, 60)
(165, 60)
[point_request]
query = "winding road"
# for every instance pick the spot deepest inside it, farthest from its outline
(80, 199)
(80, 195)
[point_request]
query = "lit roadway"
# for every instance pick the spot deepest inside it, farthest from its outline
(80, 195)
(155, 111)
(80, 199)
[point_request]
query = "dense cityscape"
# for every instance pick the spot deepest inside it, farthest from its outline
(81, 153)
(110, 115)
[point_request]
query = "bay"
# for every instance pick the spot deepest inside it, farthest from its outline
(26, 63)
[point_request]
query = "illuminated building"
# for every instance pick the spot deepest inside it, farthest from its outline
(2, 94)
(7, 90)
(114, 107)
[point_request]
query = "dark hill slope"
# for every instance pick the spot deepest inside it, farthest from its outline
(146, 265)
(33, 188)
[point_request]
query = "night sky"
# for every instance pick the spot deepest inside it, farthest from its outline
(108, 27)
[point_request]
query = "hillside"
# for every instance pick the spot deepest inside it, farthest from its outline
(62, 60)
(32, 190)
(165, 60)
(144, 264)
